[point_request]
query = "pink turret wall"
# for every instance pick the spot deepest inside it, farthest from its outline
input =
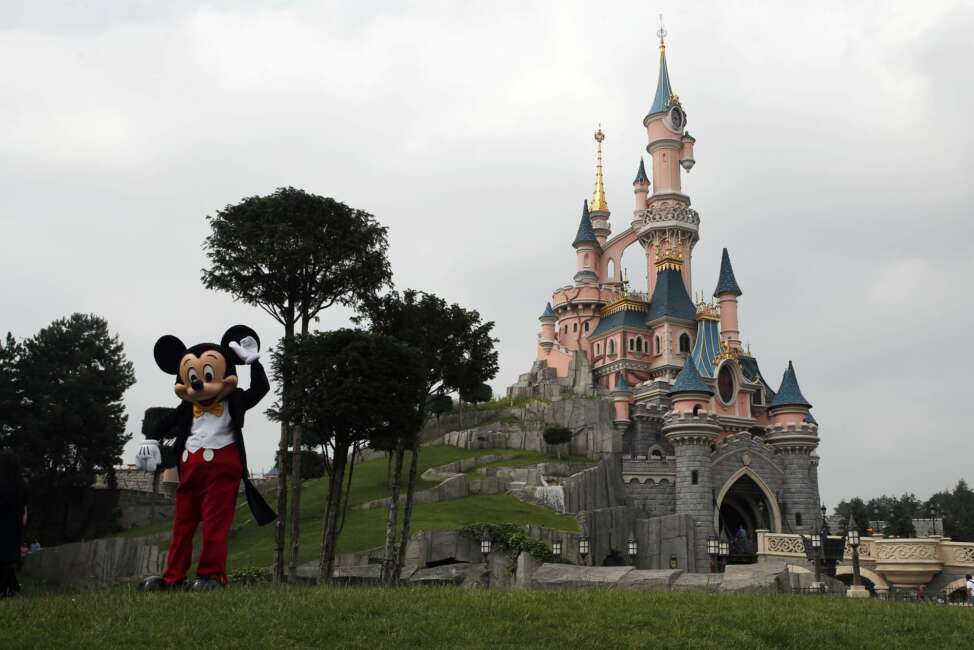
(729, 330)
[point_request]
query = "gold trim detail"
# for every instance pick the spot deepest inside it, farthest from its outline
(599, 203)
(668, 257)
(625, 303)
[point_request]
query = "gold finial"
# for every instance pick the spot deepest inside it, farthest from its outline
(598, 195)
(668, 257)
(662, 34)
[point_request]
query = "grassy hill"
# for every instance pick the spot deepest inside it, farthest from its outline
(315, 617)
(253, 546)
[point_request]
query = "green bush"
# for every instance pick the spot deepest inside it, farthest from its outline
(312, 464)
(510, 540)
(557, 435)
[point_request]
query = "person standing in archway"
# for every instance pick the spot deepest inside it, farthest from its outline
(13, 517)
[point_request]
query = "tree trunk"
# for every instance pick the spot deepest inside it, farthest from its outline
(292, 569)
(407, 514)
(348, 487)
(280, 525)
(390, 557)
(329, 532)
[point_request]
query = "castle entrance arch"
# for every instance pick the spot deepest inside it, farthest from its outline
(744, 506)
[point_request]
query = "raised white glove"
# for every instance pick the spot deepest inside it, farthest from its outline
(247, 350)
(148, 457)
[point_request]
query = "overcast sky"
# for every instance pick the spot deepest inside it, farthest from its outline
(834, 158)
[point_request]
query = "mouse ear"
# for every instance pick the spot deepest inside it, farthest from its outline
(236, 333)
(168, 351)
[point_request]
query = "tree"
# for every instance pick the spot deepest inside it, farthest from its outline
(458, 355)
(855, 508)
(558, 436)
(294, 254)
(11, 392)
(348, 387)
(69, 380)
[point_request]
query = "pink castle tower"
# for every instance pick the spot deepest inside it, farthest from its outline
(702, 433)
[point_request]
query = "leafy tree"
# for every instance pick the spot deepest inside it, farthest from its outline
(69, 380)
(902, 512)
(557, 436)
(11, 392)
(294, 254)
(855, 508)
(458, 355)
(348, 387)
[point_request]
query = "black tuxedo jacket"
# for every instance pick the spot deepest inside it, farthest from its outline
(238, 402)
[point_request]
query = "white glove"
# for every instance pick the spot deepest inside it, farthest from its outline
(247, 350)
(148, 457)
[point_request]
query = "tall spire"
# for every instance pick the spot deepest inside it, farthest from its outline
(585, 234)
(598, 195)
(788, 393)
(663, 90)
(726, 283)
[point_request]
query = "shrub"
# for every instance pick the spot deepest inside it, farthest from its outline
(510, 540)
(312, 464)
(557, 435)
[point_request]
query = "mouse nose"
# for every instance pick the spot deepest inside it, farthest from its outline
(196, 384)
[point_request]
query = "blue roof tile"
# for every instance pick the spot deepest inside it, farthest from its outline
(585, 232)
(663, 90)
(707, 346)
(621, 384)
(789, 394)
(641, 176)
(726, 283)
(626, 318)
(689, 380)
(670, 298)
(548, 311)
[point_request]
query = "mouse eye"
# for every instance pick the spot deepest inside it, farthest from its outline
(192, 375)
(208, 373)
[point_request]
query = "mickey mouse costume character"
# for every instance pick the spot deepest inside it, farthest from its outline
(209, 451)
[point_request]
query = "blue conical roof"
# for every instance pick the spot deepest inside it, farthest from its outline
(641, 176)
(789, 394)
(726, 283)
(689, 380)
(670, 298)
(585, 232)
(548, 311)
(663, 90)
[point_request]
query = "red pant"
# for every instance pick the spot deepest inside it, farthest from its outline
(207, 492)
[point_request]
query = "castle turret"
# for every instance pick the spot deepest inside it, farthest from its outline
(586, 248)
(794, 436)
(689, 391)
(667, 218)
(620, 396)
(547, 319)
(600, 207)
(640, 186)
(726, 294)
(691, 435)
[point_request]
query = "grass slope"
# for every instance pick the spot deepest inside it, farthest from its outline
(282, 617)
(253, 546)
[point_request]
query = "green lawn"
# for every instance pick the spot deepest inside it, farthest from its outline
(317, 617)
(252, 546)
(523, 458)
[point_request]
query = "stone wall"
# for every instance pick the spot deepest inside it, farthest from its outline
(136, 508)
(102, 562)
(665, 540)
(653, 498)
(598, 487)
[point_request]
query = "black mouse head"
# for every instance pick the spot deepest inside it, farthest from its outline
(206, 372)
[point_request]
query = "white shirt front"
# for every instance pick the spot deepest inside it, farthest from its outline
(210, 432)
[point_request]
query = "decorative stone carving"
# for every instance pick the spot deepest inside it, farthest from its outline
(785, 545)
(959, 555)
(906, 551)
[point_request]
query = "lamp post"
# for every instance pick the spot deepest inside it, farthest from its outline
(852, 539)
(485, 547)
(583, 548)
(713, 550)
(633, 549)
(817, 552)
(934, 511)
(556, 549)
(724, 547)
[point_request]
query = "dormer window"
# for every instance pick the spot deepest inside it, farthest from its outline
(684, 342)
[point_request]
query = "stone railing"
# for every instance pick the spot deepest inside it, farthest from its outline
(900, 560)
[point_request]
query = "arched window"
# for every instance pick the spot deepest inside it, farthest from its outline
(586, 326)
(684, 342)
(612, 346)
(575, 327)
(611, 269)
(598, 349)
(632, 345)
(798, 519)
(657, 454)
(658, 345)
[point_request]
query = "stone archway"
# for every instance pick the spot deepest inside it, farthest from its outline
(956, 585)
(770, 502)
(879, 582)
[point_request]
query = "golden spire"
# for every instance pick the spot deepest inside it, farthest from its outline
(598, 195)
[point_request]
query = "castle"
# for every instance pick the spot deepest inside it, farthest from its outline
(700, 432)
